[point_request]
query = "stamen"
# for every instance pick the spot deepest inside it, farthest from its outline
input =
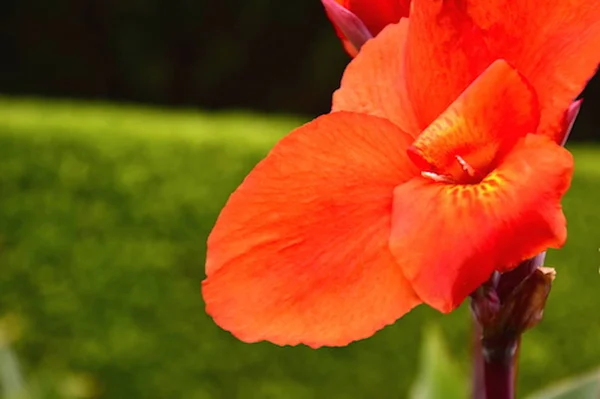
(437, 178)
(465, 165)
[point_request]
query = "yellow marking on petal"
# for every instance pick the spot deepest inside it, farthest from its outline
(486, 193)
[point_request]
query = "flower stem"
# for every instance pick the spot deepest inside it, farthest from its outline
(478, 369)
(494, 367)
(503, 308)
(499, 375)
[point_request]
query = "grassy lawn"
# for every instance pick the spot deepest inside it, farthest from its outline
(104, 213)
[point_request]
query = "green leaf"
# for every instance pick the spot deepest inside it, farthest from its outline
(583, 387)
(438, 376)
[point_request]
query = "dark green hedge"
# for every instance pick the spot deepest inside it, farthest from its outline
(280, 56)
(256, 54)
(104, 212)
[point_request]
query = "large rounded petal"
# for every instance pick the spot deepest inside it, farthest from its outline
(375, 83)
(554, 44)
(300, 252)
(450, 238)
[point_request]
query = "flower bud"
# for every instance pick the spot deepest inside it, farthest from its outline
(504, 319)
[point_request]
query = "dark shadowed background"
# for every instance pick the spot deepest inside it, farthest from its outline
(261, 54)
(276, 56)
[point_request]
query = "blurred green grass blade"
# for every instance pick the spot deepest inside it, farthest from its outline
(438, 376)
(583, 387)
(11, 381)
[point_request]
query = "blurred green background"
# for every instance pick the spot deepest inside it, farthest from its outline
(104, 213)
(105, 207)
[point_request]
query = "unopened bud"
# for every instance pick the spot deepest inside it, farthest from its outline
(505, 314)
(521, 310)
(485, 305)
(349, 24)
(569, 120)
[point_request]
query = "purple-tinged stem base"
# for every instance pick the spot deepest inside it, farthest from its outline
(499, 377)
(494, 369)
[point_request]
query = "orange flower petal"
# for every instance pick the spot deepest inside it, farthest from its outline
(449, 238)
(553, 44)
(300, 252)
(486, 120)
(374, 82)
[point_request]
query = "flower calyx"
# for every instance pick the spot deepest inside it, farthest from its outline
(504, 319)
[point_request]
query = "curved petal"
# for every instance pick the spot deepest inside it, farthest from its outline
(484, 122)
(553, 44)
(349, 28)
(570, 117)
(448, 239)
(374, 82)
(299, 254)
(377, 14)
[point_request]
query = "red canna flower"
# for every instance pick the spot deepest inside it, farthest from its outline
(449, 43)
(357, 217)
(356, 21)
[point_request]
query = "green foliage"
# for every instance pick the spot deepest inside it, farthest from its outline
(585, 387)
(104, 212)
(12, 384)
(439, 377)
